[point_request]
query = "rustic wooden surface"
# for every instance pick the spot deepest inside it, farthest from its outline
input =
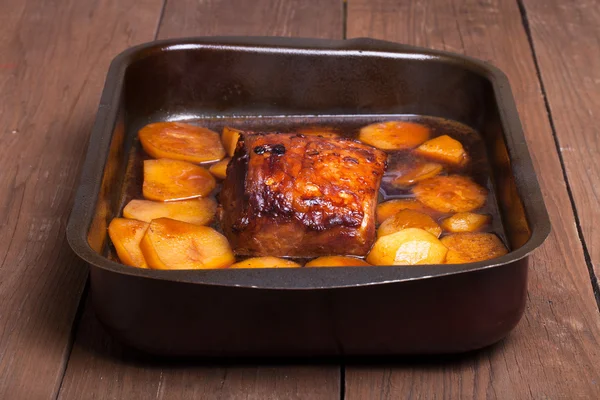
(53, 59)
(571, 84)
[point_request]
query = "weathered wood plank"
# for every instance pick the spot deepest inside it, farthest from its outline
(53, 58)
(99, 367)
(566, 40)
(309, 18)
(554, 351)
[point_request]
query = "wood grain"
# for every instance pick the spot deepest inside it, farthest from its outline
(309, 18)
(101, 369)
(53, 58)
(566, 40)
(554, 352)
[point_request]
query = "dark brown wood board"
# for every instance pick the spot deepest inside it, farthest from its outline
(53, 59)
(554, 352)
(99, 367)
(309, 18)
(566, 41)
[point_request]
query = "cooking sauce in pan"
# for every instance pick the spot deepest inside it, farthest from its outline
(478, 167)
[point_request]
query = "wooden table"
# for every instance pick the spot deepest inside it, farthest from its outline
(53, 60)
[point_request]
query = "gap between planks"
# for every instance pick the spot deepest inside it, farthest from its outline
(586, 253)
(73, 333)
(160, 19)
(344, 19)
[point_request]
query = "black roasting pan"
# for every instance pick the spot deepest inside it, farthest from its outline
(307, 311)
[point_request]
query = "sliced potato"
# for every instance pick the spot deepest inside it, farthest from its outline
(171, 244)
(409, 219)
(337, 261)
(265, 262)
(392, 207)
(219, 170)
(416, 173)
(323, 131)
(471, 247)
(196, 211)
(179, 141)
(230, 137)
(445, 149)
(126, 235)
(394, 135)
(452, 193)
(168, 180)
(407, 247)
(465, 222)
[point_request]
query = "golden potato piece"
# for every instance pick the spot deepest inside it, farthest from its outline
(171, 244)
(230, 137)
(392, 207)
(450, 194)
(323, 131)
(394, 135)
(471, 247)
(416, 173)
(179, 141)
(337, 261)
(219, 170)
(409, 219)
(265, 262)
(168, 180)
(196, 211)
(465, 222)
(410, 246)
(126, 235)
(444, 149)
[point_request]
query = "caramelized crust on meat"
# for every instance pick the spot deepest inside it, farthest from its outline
(298, 196)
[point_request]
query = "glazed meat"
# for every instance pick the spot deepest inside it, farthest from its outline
(301, 196)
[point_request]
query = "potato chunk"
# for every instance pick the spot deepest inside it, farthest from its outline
(415, 173)
(171, 244)
(168, 180)
(409, 219)
(452, 193)
(179, 141)
(219, 170)
(444, 149)
(390, 208)
(196, 211)
(465, 222)
(471, 247)
(323, 131)
(265, 262)
(410, 246)
(337, 261)
(394, 135)
(230, 137)
(126, 235)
